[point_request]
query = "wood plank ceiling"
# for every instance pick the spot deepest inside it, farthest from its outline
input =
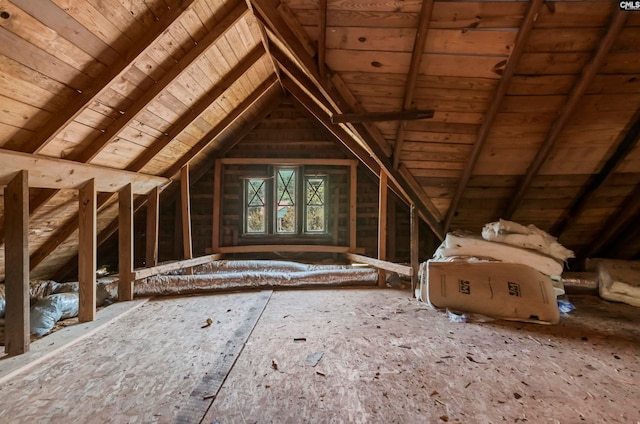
(536, 104)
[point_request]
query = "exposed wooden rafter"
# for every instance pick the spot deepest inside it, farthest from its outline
(412, 77)
(46, 172)
(88, 95)
(341, 118)
(626, 145)
(627, 214)
(580, 87)
(176, 70)
(487, 122)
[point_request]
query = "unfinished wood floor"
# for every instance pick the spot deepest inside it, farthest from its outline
(385, 358)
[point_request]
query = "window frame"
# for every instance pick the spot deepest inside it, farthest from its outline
(325, 196)
(246, 206)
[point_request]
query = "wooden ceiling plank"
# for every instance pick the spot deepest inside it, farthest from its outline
(197, 109)
(625, 146)
(627, 214)
(180, 67)
(255, 97)
(412, 77)
(618, 20)
(341, 118)
(265, 40)
(501, 90)
(52, 173)
(116, 70)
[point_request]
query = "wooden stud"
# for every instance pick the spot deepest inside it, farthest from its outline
(382, 226)
(153, 219)
(353, 206)
(125, 243)
(487, 122)
(383, 265)
(185, 201)
(412, 77)
(87, 248)
(16, 215)
(287, 161)
(391, 230)
(580, 87)
(414, 250)
(217, 204)
(266, 248)
(173, 266)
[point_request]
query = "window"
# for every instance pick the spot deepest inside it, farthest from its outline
(315, 217)
(255, 206)
(271, 204)
(286, 200)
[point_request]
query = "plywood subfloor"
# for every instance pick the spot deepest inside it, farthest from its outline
(385, 358)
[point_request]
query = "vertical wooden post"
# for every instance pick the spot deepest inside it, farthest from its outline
(187, 244)
(353, 199)
(382, 226)
(87, 245)
(391, 231)
(415, 248)
(336, 219)
(16, 236)
(217, 212)
(153, 217)
(125, 243)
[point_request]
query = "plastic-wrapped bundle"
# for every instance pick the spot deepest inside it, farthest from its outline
(51, 309)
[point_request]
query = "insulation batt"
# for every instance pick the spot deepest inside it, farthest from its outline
(458, 244)
(527, 237)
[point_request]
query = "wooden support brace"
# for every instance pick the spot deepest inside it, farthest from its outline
(125, 243)
(382, 226)
(87, 247)
(217, 204)
(353, 209)
(383, 265)
(153, 218)
(415, 247)
(187, 248)
(16, 214)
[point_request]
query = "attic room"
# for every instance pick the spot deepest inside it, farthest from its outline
(221, 211)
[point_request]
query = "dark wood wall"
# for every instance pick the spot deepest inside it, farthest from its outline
(287, 132)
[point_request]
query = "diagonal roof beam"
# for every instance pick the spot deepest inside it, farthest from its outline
(412, 77)
(176, 70)
(70, 226)
(265, 40)
(258, 95)
(197, 109)
(116, 70)
(625, 146)
(626, 215)
(110, 229)
(483, 132)
(580, 87)
(322, 40)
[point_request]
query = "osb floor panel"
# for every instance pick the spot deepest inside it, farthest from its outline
(385, 358)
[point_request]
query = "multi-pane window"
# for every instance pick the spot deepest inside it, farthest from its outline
(315, 217)
(272, 205)
(256, 205)
(285, 200)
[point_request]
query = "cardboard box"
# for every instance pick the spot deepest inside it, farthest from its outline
(495, 289)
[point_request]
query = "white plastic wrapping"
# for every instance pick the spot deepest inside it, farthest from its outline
(50, 309)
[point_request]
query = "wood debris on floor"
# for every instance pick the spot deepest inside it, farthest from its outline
(379, 356)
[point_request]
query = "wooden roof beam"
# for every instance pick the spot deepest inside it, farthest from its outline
(53, 173)
(626, 145)
(627, 214)
(197, 109)
(265, 40)
(412, 77)
(322, 40)
(342, 118)
(363, 155)
(258, 95)
(580, 87)
(86, 97)
(139, 105)
(483, 132)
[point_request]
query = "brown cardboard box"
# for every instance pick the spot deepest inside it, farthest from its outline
(495, 289)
